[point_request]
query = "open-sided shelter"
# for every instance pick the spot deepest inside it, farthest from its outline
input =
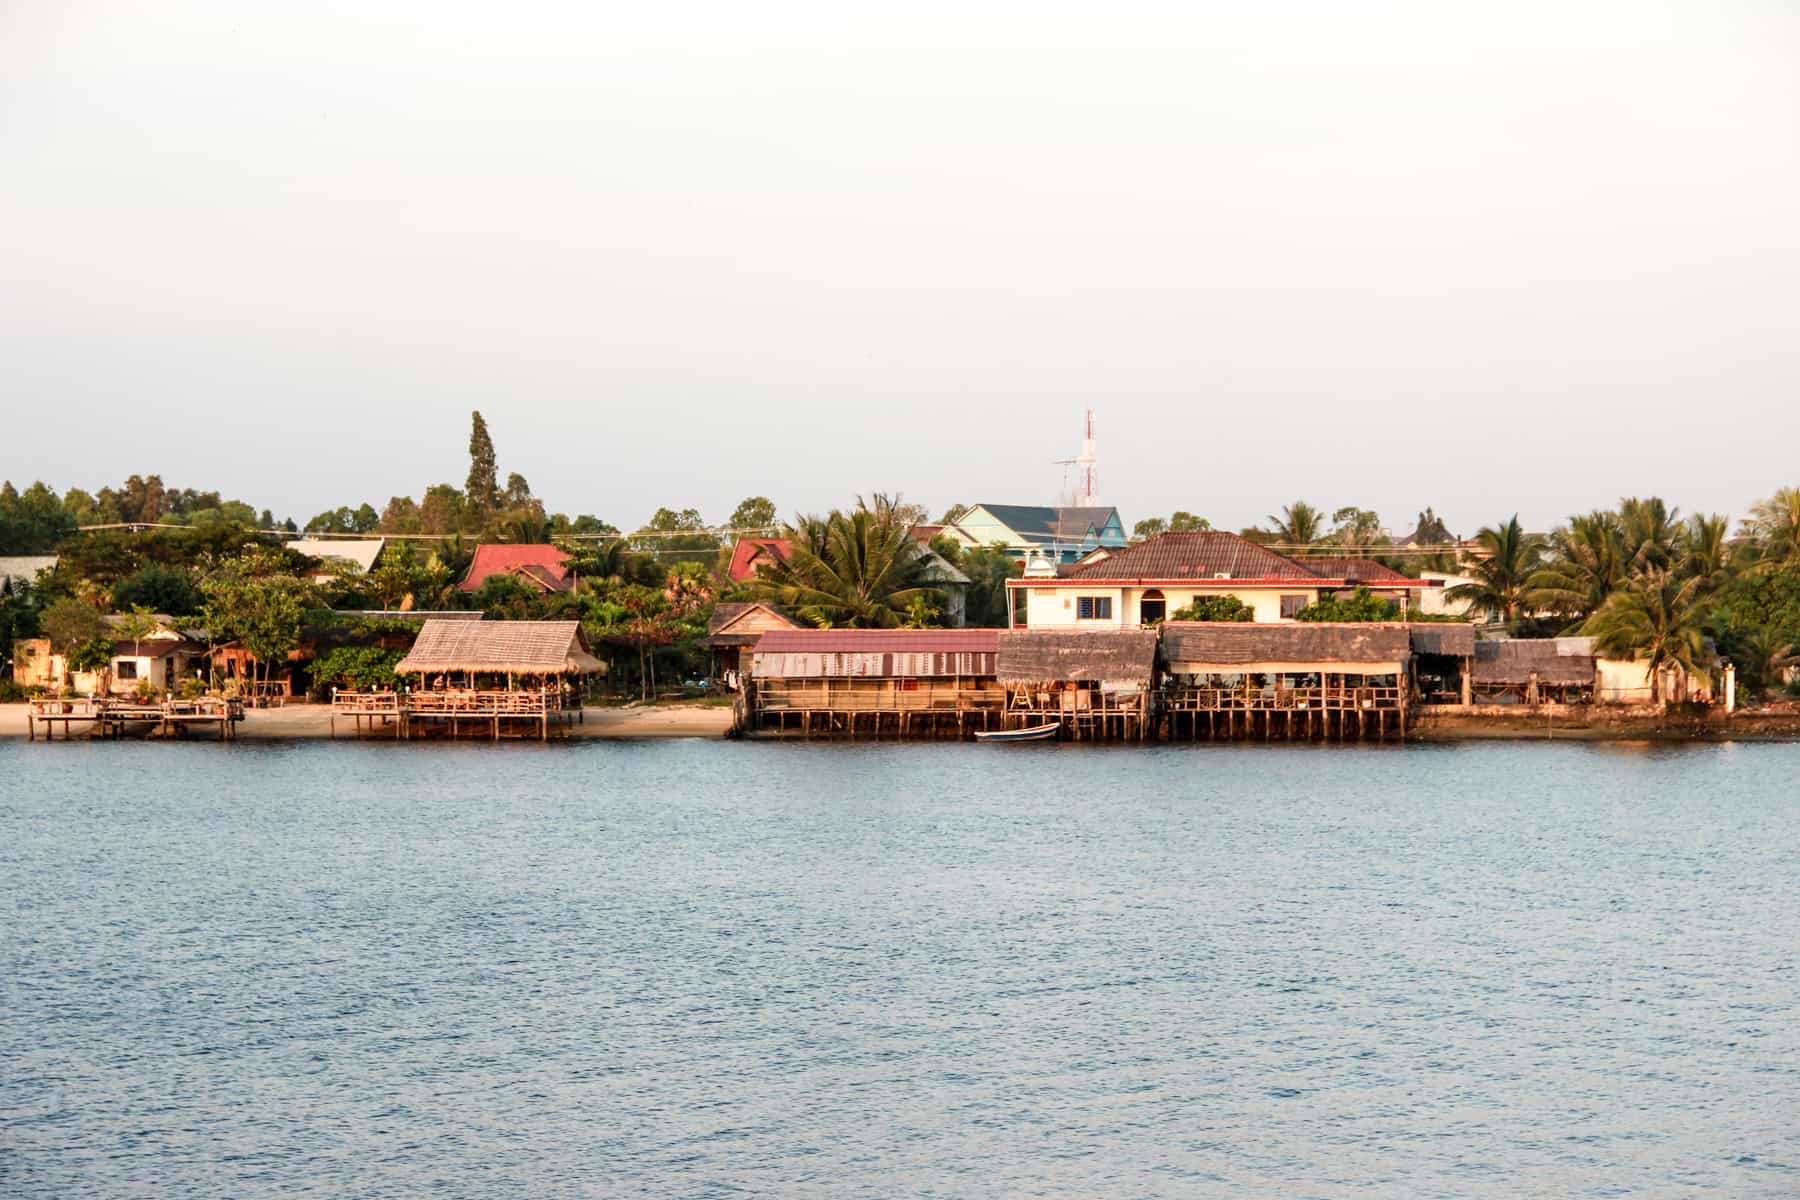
(1307, 679)
(1096, 685)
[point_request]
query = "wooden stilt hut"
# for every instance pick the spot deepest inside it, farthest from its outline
(1277, 682)
(494, 678)
(1096, 685)
(874, 683)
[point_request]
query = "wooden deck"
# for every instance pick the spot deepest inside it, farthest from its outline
(495, 714)
(847, 707)
(110, 718)
(1330, 711)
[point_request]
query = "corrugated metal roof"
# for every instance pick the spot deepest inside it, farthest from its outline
(880, 641)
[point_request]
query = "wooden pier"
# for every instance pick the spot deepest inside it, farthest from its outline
(1337, 709)
(494, 714)
(110, 718)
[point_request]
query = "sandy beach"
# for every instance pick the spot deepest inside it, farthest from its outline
(314, 721)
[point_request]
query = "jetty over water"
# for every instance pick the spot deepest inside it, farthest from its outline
(494, 678)
(113, 718)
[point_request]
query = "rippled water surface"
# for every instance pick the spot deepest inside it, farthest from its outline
(712, 969)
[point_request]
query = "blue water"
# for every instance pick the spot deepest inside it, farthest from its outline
(712, 969)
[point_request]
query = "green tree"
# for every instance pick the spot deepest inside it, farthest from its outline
(1183, 521)
(1149, 527)
(70, 622)
(483, 486)
(1215, 608)
(1652, 533)
(1704, 550)
(1356, 529)
(1501, 572)
(858, 568)
(1658, 620)
(756, 512)
(1774, 528)
(1300, 524)
(1359, 605)
(257, 601)
(1585, 561)
(988, 569)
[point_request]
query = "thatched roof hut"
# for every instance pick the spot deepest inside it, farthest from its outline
(1449, 639)
(1227, 648)
(501, 648)
(1510, 662)
(1111, 658)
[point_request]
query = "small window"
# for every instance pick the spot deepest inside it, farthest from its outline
(1291, 606)
(1093, 608)
(127, 669)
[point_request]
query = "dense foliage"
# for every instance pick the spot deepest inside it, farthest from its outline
(1215, 608)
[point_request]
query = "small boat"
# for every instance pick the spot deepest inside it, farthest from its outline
(1036, 733)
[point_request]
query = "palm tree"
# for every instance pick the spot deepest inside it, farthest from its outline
(1300, 524)
(1652, 532)
(1706, 548)
(1766, 656)
(1774, 527)
(1585, 562)
(859, 568)
(1658, 621)
(1511, 556)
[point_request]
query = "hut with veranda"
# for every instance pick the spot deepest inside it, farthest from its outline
(1299, 681)
(1098, 685)
(874, 682)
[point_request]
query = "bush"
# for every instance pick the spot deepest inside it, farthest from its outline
(1360, 605)
(10, 692)
(1215, 608)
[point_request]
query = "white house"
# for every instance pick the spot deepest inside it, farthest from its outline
(1145, 583)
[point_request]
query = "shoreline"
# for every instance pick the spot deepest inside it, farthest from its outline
(312, 722)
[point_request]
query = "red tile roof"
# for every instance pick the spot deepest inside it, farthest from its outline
(880, 641)
(1358, 570)
(749, 554)
(1202, 555)
(551, 565)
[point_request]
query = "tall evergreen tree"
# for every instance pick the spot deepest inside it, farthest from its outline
(483, 489)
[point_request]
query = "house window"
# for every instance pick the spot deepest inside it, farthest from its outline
(127, 668)
(1152, 608)
(1291, 606)
(1093, 608)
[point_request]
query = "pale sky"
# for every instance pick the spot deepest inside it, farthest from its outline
(1485, 257)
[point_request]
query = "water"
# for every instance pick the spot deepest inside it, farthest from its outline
(709, 969)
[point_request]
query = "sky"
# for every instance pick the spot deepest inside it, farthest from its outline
(1489, 258)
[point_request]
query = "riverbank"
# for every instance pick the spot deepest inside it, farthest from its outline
(304, 721)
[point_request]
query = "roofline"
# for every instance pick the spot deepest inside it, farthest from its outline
(1078, 581)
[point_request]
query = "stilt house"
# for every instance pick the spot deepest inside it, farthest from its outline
(851, 682)
(1097, 686)
(1302, 680)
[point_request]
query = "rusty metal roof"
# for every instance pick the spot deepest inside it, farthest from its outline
(879, 641)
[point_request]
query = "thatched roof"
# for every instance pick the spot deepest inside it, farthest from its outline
(1453, 639)
(1197, 647)
(511, 647)
(1116, 657)
(1510, 661)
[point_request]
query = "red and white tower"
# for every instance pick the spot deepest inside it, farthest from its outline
(1087, 487)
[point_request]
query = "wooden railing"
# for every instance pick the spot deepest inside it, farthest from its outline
(448, 704)
(1281, 699)
(875, 696)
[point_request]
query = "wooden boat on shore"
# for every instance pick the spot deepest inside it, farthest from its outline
(1036, 733)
